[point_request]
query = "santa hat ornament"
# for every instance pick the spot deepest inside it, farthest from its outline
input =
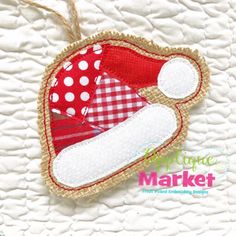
(106, 100)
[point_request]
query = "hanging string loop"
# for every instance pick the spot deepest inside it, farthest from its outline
(72, 28)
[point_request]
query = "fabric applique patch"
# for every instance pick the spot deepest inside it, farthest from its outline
(113, 103)
(107, 99)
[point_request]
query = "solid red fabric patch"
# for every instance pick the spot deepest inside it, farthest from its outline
(113, 103)
(133, 69)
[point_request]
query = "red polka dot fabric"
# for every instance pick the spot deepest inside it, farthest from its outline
(73, 87)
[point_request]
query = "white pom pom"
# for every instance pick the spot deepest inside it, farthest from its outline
(178, 78)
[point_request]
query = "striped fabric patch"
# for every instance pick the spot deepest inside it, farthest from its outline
(67, 131)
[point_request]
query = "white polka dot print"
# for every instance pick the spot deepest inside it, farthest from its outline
(83, 51)
(68, 81)
(69, 97)
(84, 96)
(54, 97)
(70, 111)
(56, 111)
(97, 64)
(76, 82)
(84, 80)
(97, 49)
(84, 110)
(83, 65)
(68, 66)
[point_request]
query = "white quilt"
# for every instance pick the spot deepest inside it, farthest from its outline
(30, 39)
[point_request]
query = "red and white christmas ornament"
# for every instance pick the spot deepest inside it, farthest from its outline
(106, 100)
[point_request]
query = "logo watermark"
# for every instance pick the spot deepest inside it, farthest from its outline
(180, 158)
(176, 191)
(188, 179)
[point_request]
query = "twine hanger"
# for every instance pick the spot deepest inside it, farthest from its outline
(72, 28)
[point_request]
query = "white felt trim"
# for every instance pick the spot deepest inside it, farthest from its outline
(178, 78)
(106, 153)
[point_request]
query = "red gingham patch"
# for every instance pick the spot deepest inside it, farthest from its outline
(113, 103)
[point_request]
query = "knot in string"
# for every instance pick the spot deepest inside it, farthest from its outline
(72, 28)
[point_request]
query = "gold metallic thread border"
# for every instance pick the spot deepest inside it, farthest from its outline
(142, 46)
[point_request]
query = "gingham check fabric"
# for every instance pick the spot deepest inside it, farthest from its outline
(113, 103)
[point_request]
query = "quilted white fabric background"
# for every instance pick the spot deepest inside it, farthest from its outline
(30, 39)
